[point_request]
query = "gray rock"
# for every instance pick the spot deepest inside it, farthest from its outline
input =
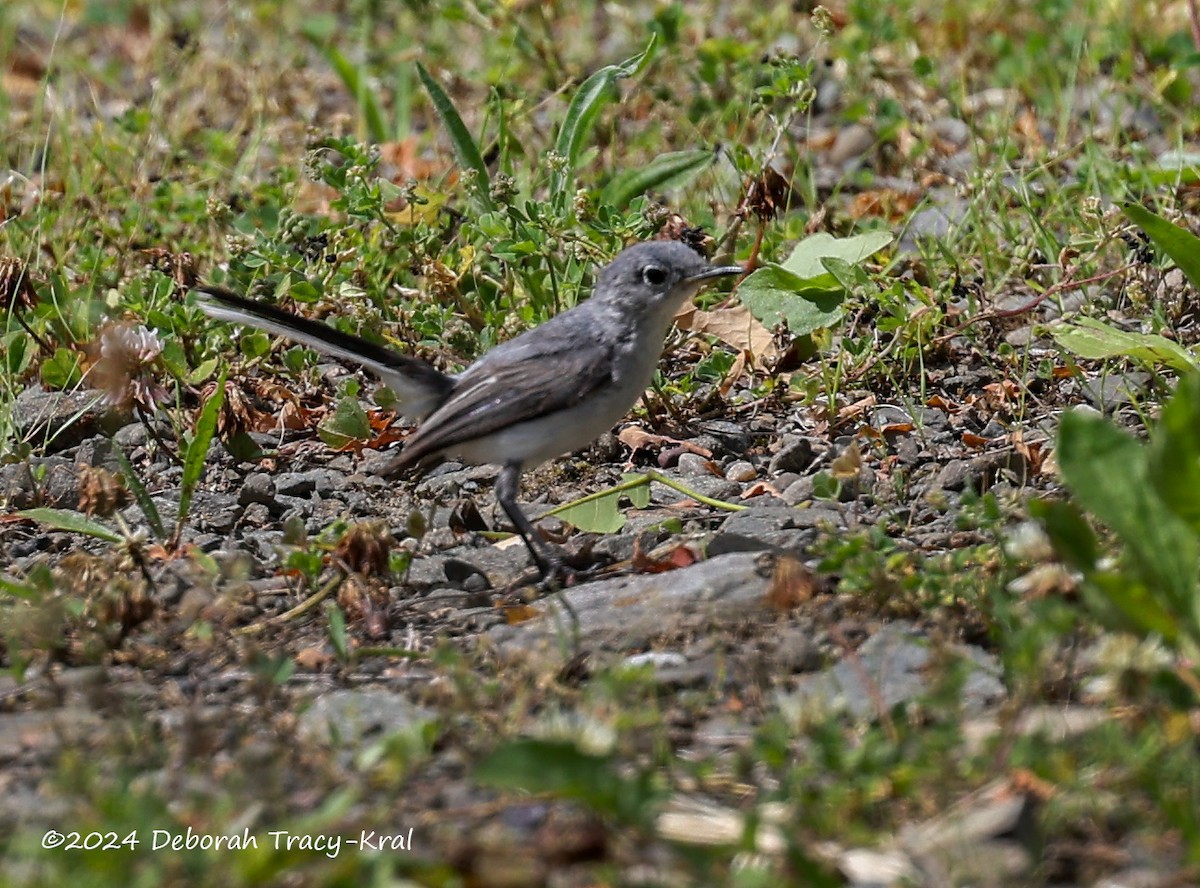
(257, 488)
(626, 612)
(40, 481)
(323, 482)
(795, 454)
(802, 491)
(741, 472)
(693, 465)
(55, 421)
(354, 717)
(891, 667)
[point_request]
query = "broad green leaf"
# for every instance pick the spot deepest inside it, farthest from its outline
(1121, 602)
(592, 95)
(801, 290)
(1107, 471)
(1069, 533)
(669, 170)
(639, 495)
(61, 370)
(72, 522)
(18, 590)
(1174, 453)
(594, 514)
(197, 451)
(140, 493)
(1096, 340)
(560, 767)
(773, 294)
(1180, 244)
(349, 423)
(807, 256)
(460, 137)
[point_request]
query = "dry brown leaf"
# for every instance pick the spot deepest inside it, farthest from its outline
(976, 441)
(734, 326)
(759, 488)
(313, 659)
(792, 584)
(636, 438)
(679, 556)
(847, 464)
(857, 408)
(886, 203)
(520, 613)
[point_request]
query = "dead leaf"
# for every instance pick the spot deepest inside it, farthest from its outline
(884, 203)
(734, 326)
(847, 464)
(313, 659)
(520, 613)
(759, 488)
(678, 557)
(792, 584)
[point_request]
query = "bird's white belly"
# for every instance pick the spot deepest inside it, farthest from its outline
(549, 436)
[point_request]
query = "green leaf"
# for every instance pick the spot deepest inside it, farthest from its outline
(1174, 453)
(669, 170)
(348, 423)
(560, 767)
(338, 636)
(807, 259)
(197, 451)
(592, 95)
(18, 590)
(460, 137)
(72, 522)
(802, 290)
(61, 370)
(774, 295)
(140, 494)
(1069, 533)
(1107, 471)
(1123, 603)
(594, 513)
(1096, 340)
(1178, 243)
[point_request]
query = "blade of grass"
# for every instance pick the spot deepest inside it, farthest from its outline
(1178, 243)
(145, 503)
(592, 95)
(460, 137)
(72, 522)
(667, 170)
(193, 460)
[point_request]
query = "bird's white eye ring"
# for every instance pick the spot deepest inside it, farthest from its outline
(654, 275)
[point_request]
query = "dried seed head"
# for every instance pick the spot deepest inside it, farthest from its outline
(16, 289)
(365, 547)
(100, 491)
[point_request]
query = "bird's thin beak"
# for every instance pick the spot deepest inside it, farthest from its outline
(715, 271)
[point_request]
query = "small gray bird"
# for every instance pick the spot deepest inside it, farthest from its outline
(549, 391)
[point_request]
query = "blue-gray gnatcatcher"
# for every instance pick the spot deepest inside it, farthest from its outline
(549, 391)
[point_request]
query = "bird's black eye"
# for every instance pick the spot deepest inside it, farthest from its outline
(654, 276)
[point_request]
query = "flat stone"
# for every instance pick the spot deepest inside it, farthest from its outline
(55, 421)
(352, 717)
(626, 612)
(892, 667)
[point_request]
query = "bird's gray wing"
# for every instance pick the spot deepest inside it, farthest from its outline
(516, 382)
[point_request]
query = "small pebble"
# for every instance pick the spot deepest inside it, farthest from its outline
(741, 471)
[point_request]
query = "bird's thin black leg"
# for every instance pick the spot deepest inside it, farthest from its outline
(506, 494)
